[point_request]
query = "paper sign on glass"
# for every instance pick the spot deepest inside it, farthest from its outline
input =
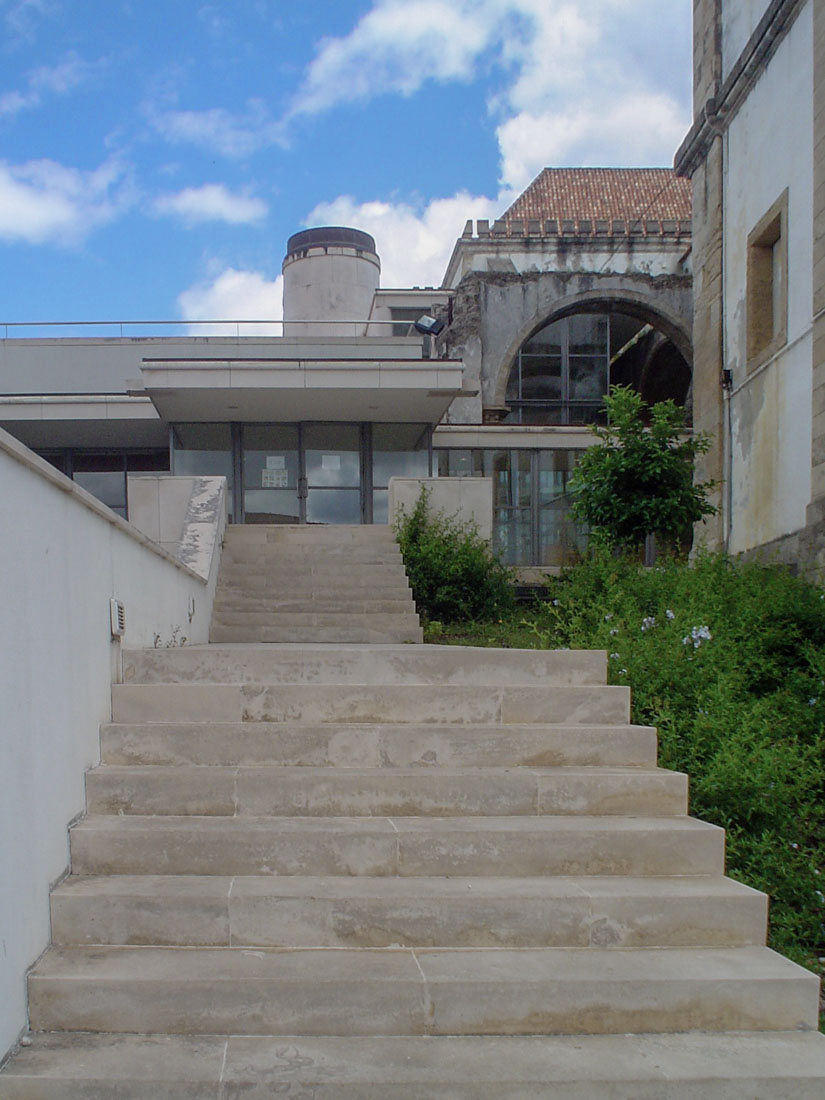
(330, 462)
(276, 462)
(274, 479)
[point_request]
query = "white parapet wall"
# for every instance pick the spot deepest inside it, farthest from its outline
(469, 499)
(63, 557)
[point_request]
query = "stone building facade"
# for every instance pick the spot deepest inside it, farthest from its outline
(756, 158)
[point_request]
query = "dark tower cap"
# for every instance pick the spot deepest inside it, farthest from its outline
(332, 236)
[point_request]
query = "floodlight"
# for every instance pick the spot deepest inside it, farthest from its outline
(430, 326)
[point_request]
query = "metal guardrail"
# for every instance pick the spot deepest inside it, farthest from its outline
(136, 329)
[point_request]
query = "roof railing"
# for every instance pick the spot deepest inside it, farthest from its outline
(264, 326)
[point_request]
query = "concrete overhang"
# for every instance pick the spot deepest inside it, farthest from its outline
(88, 420)
(394, 390)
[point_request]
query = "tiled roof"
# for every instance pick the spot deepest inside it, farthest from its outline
(602, 200)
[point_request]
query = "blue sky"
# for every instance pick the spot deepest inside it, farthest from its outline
(154, 157)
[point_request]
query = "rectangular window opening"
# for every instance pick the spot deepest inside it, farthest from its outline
(767, 284)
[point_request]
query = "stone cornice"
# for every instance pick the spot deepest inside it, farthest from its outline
(715, 115)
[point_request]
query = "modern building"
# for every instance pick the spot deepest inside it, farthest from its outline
(756, 157)
(583, 282)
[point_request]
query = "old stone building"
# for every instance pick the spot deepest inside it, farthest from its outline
(582, 283)
(756, 157)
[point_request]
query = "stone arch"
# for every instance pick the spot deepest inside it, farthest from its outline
(643, 304)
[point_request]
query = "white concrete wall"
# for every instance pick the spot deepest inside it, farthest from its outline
(768, 149)
(327, 284)
(740, 19)
(63, 555)
(469, 499)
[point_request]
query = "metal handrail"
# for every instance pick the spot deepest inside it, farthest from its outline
(187, 325)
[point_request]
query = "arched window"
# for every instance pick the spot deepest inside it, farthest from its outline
(563, 371)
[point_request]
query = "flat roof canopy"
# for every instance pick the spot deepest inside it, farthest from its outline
(394, 390)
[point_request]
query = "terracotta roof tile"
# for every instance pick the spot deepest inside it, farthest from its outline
(602, 200)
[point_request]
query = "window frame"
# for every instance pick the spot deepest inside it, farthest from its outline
(766, 313)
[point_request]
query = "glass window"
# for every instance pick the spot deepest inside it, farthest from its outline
(541, 378)
(202, 449)
(334, 506)
(108, 486)
(531, 507)
(333, 456)
(399, 450)
(561, 373)
(587, 334)
(148, 462)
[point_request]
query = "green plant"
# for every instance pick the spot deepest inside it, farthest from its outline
(638, 480)
(452, 571)
(727, 660)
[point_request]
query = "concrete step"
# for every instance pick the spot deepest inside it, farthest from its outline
(359, 746)
(370, 703)
(348, 634)
(406, 846)
(311, 615)
(306, 561)
(297, 911)
(262, 586)
(383, 792)
(735, 1066)
(311, 533)
(332, 664)
(335, 555)
(275, 608)
(274, 572)
(269, 991)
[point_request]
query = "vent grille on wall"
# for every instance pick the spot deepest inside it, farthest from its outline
(117, 614)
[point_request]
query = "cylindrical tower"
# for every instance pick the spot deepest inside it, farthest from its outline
(330, 274)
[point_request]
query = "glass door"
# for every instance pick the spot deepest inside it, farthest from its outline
(332, 473)
(271, 473)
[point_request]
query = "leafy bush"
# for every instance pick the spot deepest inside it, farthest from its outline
(452, 571)
(638, 480)
(727, 660)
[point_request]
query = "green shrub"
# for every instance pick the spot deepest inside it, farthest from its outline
(638, 479)
(452, 572)
(727, 660)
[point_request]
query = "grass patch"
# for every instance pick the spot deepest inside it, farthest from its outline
(727, 660)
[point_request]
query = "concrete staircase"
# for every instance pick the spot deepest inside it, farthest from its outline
(313, 584)
(354, 872)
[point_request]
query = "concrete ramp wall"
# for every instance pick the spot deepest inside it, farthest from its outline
(63, 557)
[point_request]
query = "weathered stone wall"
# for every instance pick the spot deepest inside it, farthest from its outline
(494, 312)
(707, 336)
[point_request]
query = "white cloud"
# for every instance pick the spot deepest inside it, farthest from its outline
(20, 15)
(212, 202)
(397, 47)
(414, 247)
(632, 131)
(573, 82)
(233, 295)
(218, 130)
(57, 79)
(44, 202)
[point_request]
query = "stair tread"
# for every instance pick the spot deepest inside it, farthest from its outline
(313, 886)
(388, 825)
(757, 1065)
(438, 964)
(392, 990)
